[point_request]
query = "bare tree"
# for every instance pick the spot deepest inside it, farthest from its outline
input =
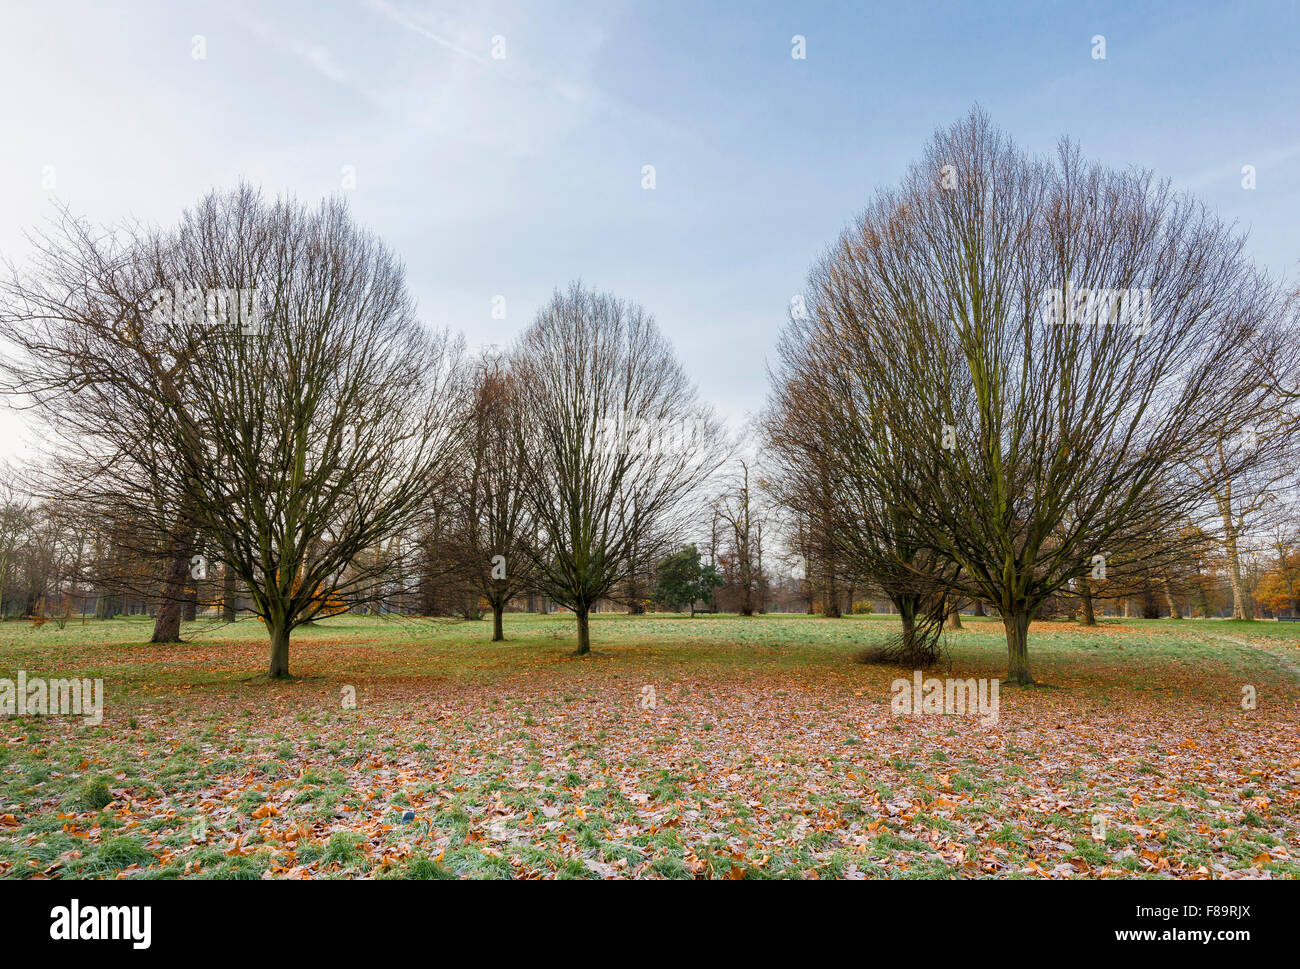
(1248, 494)
(497, 527)
(78, 356)
(15, 527)
(838, 467)
(257, 376)
(737, 509)
(1065, 340)
(617, 441)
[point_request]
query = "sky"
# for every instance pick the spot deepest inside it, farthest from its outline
(501, 148)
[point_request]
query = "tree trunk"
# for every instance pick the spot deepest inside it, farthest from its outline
(1089, 617)
(279, 650)
(1017, 627)
(230, 596)
(1169, 600)
(191, 605)
(908, 616)
(830, 601)
(746, 590)
(1234, 576)
(1150, 610)
(979, 608)
(954, 617)
(498, 634)
(831, 608)
(167, 627)
(584, 631)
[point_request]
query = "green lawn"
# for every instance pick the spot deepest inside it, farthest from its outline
(769, 752)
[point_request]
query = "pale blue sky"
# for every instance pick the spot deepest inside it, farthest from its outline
(514, 176)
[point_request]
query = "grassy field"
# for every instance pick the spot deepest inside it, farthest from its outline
(768, 753)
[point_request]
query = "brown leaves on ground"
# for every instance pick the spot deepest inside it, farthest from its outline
(766, 753)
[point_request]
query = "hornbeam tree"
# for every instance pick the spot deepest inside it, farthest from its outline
(489, 492)
(1052, 346)
(832, 452)
(257, 376)
(617, 443)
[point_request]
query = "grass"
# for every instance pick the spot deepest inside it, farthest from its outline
(767, 753)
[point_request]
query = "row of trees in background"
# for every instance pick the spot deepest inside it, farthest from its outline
(50, 570)
(245, 413)
(250, 396)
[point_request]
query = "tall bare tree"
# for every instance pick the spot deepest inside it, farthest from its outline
(737, 509)
(256, 375)
(1065, 341)
(16, 522)
(1249, 495)
(617, 444)
(496, 524)
(72, 323)
(833, 460)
